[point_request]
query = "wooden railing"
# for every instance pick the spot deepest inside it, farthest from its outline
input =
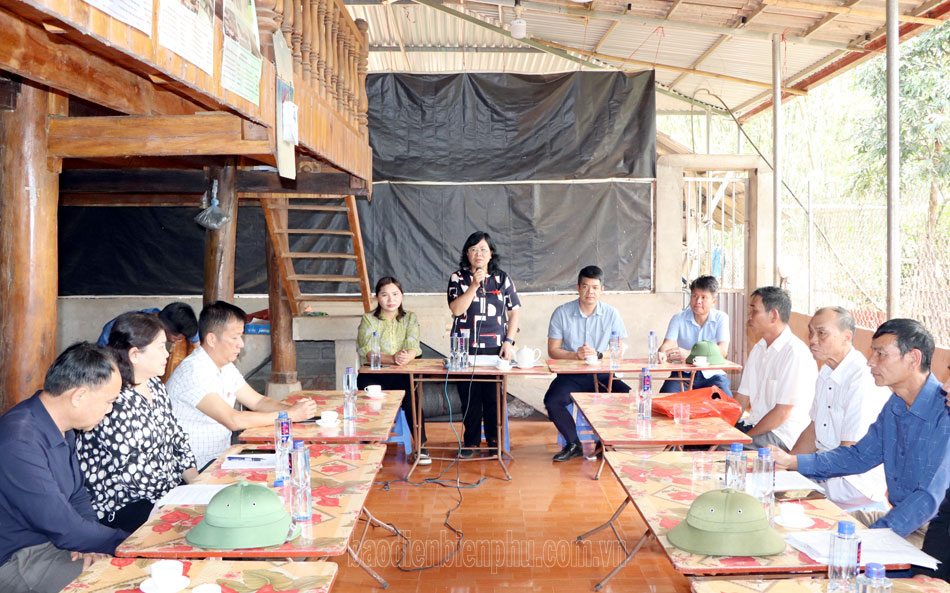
(330, 50)
(330, 53)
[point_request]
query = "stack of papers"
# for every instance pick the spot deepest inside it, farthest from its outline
(790, 480)
(877, 545)
(189, 494)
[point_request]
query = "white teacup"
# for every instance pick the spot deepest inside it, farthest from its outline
(165, 570)
(374, 391)
(329, 416)
(700, 361)
(591, 359)
(503, 364)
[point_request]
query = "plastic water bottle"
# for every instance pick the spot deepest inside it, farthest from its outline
(375, 357)
(844, 559)
(302, 509)
(463, 349)
(873, 580)
(737, 464)
(653, 349)
(645, 406)
(614, 350)
(283, 440)
(349, 394)
(763, 475)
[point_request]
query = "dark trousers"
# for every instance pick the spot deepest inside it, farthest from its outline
(937, 542)
(130, 517)
(479, 404)
(699, 381)
(558, 397)
(395, 382)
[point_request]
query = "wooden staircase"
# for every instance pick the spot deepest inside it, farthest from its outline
(296, 264)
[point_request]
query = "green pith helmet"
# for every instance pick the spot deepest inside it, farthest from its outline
(708, 349)
(241, 516)
(726, 523)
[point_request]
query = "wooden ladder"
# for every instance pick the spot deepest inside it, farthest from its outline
(276, 214)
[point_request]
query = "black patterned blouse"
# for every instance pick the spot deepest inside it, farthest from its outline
(489, 309)
(138, 451)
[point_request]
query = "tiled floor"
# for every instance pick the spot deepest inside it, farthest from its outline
(519, 535)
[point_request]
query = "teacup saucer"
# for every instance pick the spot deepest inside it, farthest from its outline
(696, 364)
(795, 523)
(328, 424)
(524, 366)
(592, 364)
(172, 585)
(378, 395)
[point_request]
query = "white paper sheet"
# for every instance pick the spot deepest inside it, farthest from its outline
(790, 480)
(483, 360)
(250, 461)
(191, 494)
(877, 545)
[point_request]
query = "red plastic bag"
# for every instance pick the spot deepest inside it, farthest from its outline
(708, 402)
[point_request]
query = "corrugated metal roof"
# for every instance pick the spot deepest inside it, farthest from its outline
(417, 38)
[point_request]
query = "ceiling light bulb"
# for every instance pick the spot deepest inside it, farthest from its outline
(519, 28)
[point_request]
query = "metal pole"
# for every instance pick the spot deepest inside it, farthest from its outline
(708, 132)
(893, 162)
(776, 141)
(738, 139)
(811, 263)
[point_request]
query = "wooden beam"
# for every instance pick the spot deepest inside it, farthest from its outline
(746, 81)
(134, 200)
(28, 248)
(673, 7)
(155, 135)
(282, 346)
(825, 20)
(859, 12)
(220, 244)
(33, 53)
(700, 59)
(193, 181)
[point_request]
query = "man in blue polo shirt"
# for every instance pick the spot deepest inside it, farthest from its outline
(49, 531)
(178, 318)
(911, 435)
(579, 329)
(702, 321)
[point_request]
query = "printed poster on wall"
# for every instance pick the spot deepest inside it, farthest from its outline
(241, 62)
(187, 28)
(135, 13)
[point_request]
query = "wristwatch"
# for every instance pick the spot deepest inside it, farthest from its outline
(510, 341)
(600, 356)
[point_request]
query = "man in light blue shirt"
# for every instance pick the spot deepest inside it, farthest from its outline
(702, 321)
(579, 329)
(911, 435)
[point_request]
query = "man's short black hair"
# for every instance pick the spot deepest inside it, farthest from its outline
(910, 334)
(81, 365)
(591, 273)
(775, 299)
(706, 284)
(216, 316)
(179, 318)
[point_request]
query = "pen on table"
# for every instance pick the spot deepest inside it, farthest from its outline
(244, 458)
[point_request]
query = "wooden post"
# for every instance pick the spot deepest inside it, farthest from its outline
(29, 193)
(268, 21)
(319, 29)
(362, 69)
(283, 377)
(305, 40)
(219, 244)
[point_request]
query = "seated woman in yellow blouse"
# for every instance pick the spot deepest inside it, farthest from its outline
(398, 331)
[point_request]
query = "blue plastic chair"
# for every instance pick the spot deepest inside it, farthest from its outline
(507, 436)
(400, 432)
(584, 430)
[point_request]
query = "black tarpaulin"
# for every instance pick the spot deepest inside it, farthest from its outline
(499, 127)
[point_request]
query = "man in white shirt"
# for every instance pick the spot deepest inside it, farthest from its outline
(846, 403)
(206, 384)
(778, 382)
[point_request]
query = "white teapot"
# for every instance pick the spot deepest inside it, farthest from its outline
(527, 357)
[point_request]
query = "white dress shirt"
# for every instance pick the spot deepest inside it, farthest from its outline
(781, 373)
(196, 377)
(846, 403)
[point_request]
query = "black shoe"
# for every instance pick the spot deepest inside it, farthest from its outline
(571, 451)
(466, 453)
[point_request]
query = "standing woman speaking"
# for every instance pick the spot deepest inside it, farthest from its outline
(484, 301)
